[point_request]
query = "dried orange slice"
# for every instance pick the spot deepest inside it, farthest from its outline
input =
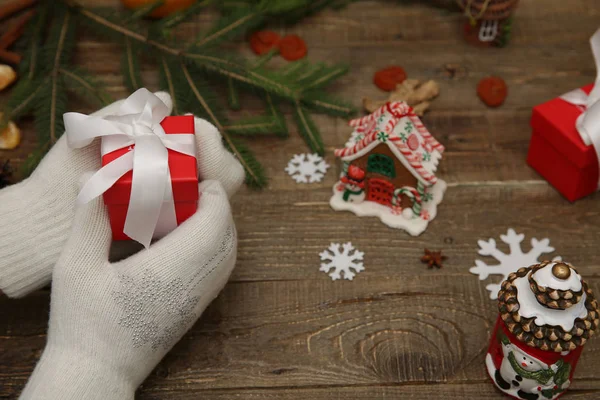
(7, 76)
(10, 137)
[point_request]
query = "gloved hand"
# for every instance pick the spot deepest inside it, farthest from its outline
(110, 324)
(36, 214)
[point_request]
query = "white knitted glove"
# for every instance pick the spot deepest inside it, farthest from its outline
(36, 214)
(110, 324)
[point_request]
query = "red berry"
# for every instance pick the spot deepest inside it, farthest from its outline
(492, 91)
(262, 42)
(292, 48)
(387, 78)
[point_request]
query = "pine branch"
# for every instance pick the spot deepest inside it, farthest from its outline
(54, 97)
(322, 102)
(233, 97)
(310, 8)
(51, 104)
(30, 65)
(130, 66)
(144, 11)
(308, 129)
(117, 28)
(254, 172)
(59, 45)
(167, 77)
(229, 27)
(292, 69)
(21, 101)
(282, 85)
(265, 58)
(182, 72)
(278, 117)
(180, 16)
(261, 125)
(85, 84)
(322, 77)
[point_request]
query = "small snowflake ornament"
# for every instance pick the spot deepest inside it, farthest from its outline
(342, 258)
(307, 168)
(510, 262)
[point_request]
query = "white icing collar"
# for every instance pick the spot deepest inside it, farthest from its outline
(529, 307)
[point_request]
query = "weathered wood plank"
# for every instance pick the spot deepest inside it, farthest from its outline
(583, 390)
(530, 64)
(423, 328)
(282, 329)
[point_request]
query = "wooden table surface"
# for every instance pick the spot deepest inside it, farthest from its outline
(282, 329)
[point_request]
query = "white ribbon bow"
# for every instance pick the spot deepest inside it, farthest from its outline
(588, 123)
(137, 122)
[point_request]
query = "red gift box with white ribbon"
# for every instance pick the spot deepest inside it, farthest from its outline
(184, 183)
(565, 145)
(149, 173)
(557, 150)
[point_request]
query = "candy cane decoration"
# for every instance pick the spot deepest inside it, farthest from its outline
(358, 146)
(412, 194)
(425, 133)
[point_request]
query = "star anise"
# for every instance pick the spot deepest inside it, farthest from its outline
(433, 258)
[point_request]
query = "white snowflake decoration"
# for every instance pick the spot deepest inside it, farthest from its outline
(508, 262)
(307, 168)
(344, 260)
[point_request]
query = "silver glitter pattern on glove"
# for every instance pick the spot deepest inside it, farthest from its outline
(159, 312)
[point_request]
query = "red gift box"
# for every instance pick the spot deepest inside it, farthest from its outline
(184, 180)
(557, 151)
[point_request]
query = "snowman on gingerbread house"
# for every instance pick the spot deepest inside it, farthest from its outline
(389, 167)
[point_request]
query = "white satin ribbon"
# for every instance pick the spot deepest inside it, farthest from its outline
(137, 122)
(588, 123)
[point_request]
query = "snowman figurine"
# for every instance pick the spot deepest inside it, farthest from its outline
(547, 312)
(354, 185)
(527, 375)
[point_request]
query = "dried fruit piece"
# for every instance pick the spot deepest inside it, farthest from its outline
(387, 78)
(262, 42)
(7, 76)
(492, 91)
(415, 93)
(292, 48)
(10, 137)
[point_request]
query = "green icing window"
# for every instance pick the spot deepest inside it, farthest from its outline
(381, 164)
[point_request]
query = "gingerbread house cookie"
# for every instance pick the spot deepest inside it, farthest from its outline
(389, 167)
